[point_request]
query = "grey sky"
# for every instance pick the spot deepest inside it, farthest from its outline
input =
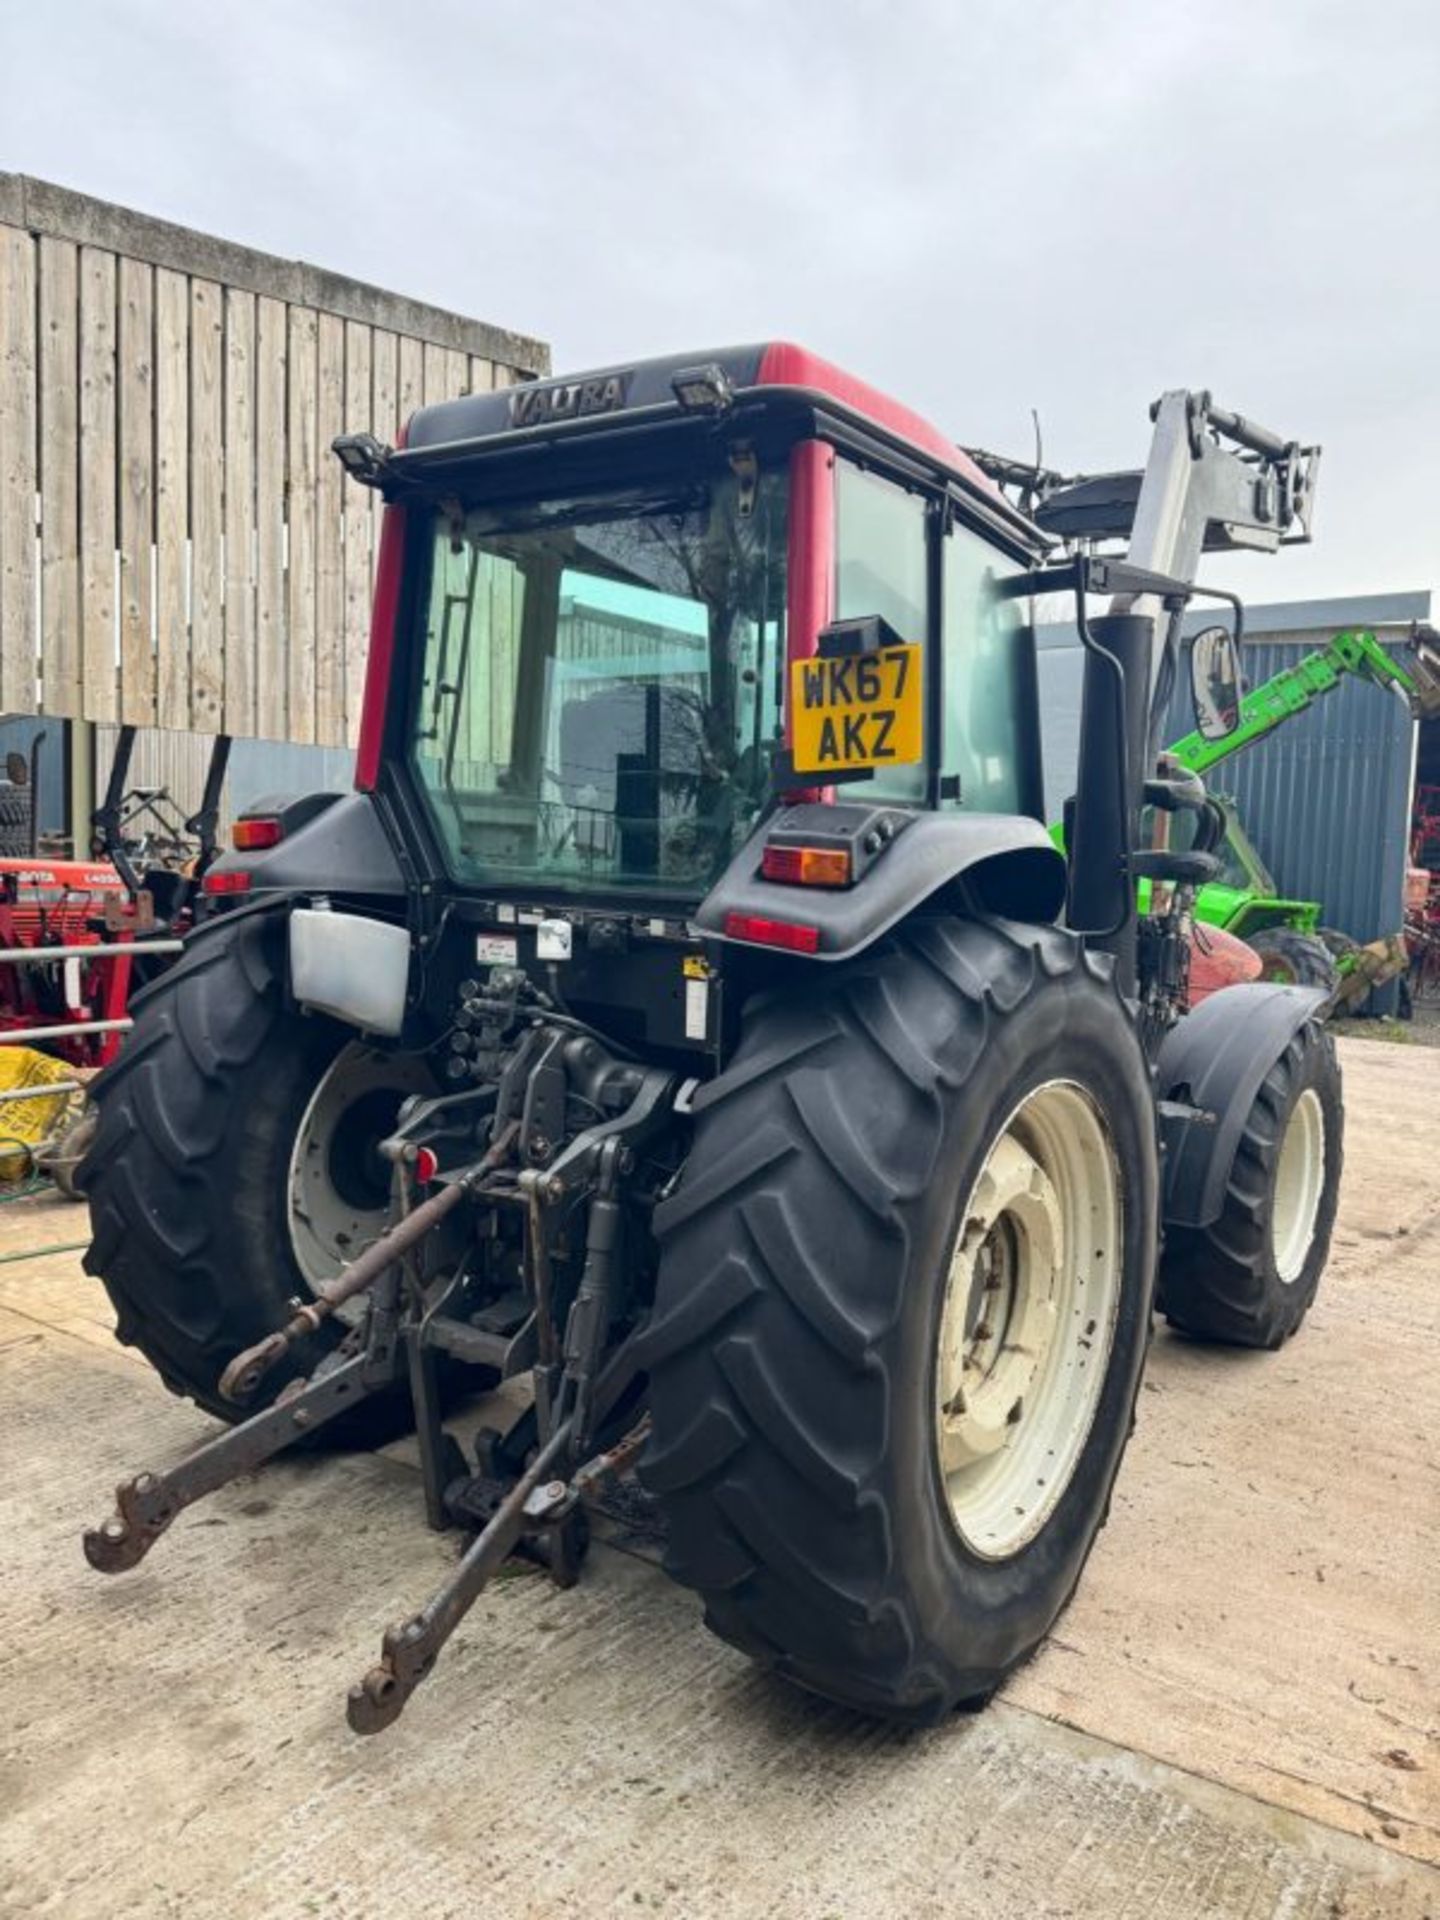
(983, 205)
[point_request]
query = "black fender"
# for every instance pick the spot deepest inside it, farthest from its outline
(334, 843)
(1009, 863)
(1215, 1059)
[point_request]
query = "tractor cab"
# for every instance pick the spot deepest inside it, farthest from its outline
(604, 591)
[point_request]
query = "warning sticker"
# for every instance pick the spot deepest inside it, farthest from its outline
(697, 1009)
(496, 950)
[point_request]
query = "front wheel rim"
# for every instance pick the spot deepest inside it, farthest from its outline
(1032, 1296)
(1299, 1183)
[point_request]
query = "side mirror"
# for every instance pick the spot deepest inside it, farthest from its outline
(1215, 682)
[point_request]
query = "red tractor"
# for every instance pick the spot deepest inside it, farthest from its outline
(690, 1018)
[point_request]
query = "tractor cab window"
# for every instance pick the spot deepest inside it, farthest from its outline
(989, 728)
(880, 568)
(599, 696)
(988, 752)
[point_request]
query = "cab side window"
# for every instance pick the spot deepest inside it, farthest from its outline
(988, 683)
(880, 568)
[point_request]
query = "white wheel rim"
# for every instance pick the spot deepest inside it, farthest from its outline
(1028, 1321)
(1299, 1183)
(338, 1198)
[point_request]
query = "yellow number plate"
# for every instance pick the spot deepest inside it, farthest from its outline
(857, 710)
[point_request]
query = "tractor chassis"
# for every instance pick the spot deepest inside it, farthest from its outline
(538, 1508)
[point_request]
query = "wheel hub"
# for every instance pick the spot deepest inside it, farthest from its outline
(1028, 1321)
(339, 1185)
(1012, 1241)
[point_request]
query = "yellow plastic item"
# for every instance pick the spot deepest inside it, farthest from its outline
(27, 1124)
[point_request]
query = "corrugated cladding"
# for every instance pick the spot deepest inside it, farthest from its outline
(1325, 798)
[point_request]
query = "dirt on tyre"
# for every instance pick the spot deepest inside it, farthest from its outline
(189, 1172)
(1250, 1277)
(902, 1311)
(1298, 959)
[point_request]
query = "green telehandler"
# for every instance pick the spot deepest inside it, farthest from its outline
(1243, 898)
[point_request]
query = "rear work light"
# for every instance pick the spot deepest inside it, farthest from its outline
(233, 880)
(807, 866)
(253, 836)
(772, 933)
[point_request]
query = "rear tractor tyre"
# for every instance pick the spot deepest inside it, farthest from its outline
(1249, 1278)
(234, 1165)
(1297, 959)
(902, 1309)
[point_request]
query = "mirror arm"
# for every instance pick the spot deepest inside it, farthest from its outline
(1097, 573)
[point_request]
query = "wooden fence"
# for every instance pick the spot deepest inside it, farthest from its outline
(177, 546)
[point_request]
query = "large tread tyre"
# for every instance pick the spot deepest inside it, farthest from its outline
(794, 1346)
(1249, 1278)
(1298, 959)
(15, 807)
(187, 1172)
(1338, 945)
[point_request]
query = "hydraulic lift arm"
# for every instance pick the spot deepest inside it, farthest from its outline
(1356, 651)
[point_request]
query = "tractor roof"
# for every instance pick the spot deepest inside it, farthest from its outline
(644, 384)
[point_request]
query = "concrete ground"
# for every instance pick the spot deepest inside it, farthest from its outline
(1238, 1715)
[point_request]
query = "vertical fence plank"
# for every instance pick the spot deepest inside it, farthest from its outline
(435, 375)
(411, 363)
(239, 457)
(207, 493)
(136, 510)
(384, 374)
(359, 520)
(100, 680)
(457, 374)
(17, 471)
(172, 498)
(270, 623)
(300, 586)
(329, 537)
(59, 480)
(481, 375)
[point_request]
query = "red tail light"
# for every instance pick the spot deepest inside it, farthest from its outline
(773, 933)
(233, 880)
(252, 836)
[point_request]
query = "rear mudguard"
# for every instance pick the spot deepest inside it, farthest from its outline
(1215, 1059)
(334, 843)
(1008, 861)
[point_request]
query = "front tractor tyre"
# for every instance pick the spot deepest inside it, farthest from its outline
(902, 1310)
(1296, 959)
(234, 1165)
(1249, 1277)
